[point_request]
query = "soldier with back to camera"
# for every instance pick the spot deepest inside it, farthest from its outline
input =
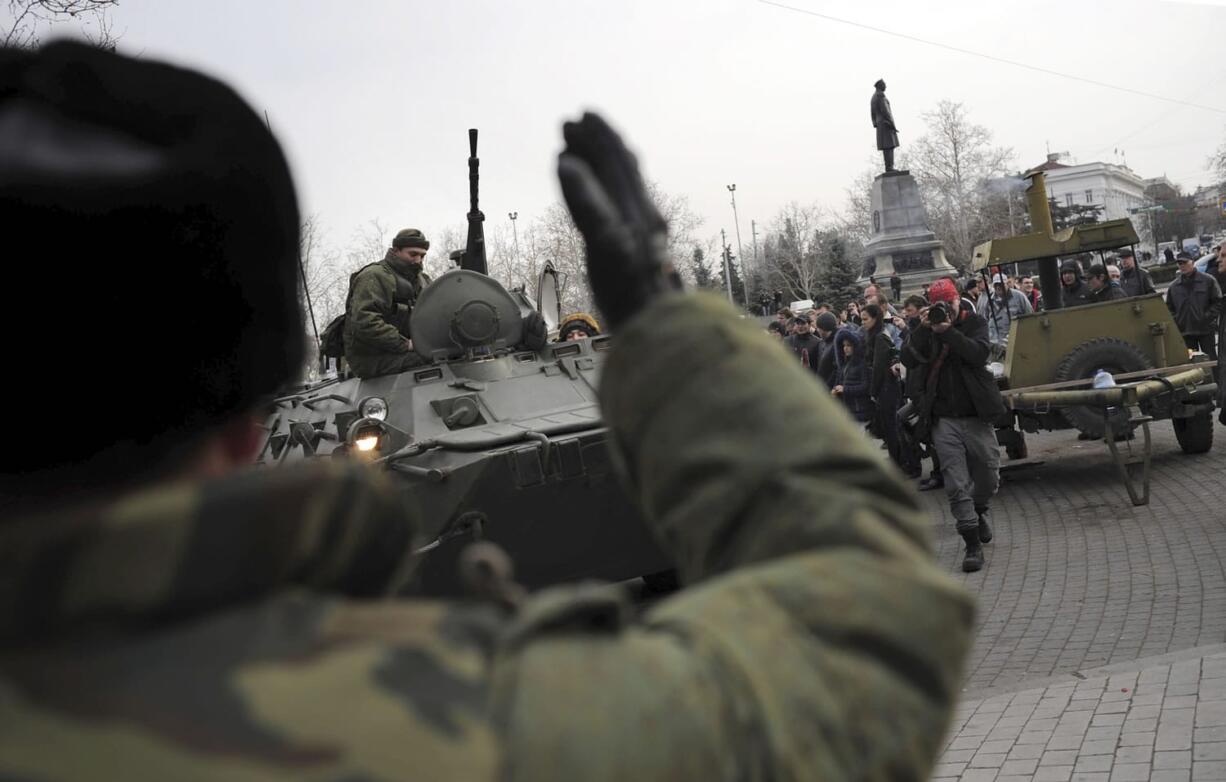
(166, 614)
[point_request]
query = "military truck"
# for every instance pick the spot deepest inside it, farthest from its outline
(488, 439)
(1053, 355)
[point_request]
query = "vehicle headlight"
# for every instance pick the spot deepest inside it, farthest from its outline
(997, 369)
(366, 435)
(374, 407)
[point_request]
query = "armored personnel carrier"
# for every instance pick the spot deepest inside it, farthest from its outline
(488, 439)
(1053, 355)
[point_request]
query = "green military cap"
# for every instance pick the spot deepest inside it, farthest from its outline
(411, 237)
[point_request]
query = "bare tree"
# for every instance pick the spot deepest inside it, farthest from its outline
(512, 270)
(27, 20)
(856, 219)
(561, 243)
(952, 161)
(327, 282)
(682, 223)
(366, 245)
(1217, 163)
(791, 258)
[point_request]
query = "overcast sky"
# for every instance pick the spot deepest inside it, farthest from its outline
(372, 98)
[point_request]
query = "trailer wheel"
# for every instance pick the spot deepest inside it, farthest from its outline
(1114, 355)
(1195, 434)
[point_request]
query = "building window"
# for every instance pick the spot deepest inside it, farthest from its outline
(1089, 196)
(1068, 199)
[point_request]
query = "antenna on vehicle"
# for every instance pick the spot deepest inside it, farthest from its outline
(306, 293)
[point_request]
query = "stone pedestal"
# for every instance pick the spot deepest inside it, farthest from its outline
(900, 239)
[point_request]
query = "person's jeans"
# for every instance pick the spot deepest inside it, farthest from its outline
(970, 465)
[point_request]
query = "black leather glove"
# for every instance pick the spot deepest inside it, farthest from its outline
(626, 236)
(536, 331)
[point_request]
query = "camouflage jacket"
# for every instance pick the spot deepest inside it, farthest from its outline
(232, 630)
(377, 314)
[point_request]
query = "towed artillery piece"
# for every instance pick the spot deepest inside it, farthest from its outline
(1053, 355)
(488, 439)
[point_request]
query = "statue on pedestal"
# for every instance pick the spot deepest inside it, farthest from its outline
(883, 121)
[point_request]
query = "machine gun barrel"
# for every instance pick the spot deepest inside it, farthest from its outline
(474, 251)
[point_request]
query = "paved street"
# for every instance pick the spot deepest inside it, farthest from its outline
(1101, 643)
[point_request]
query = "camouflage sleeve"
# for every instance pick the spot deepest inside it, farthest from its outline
(818, 639)
(370, 309)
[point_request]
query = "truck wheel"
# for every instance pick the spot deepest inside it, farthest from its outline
(1114, 355)
(1195, 434)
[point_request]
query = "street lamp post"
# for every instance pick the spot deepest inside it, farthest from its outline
(740, 251)
(515, 232)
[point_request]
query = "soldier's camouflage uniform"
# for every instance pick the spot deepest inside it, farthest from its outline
(377, 313)
(231, 629)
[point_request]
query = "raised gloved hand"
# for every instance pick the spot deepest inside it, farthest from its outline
(625, 234)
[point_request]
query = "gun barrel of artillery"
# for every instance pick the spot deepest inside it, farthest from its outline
(474, 251)
(1129, 393)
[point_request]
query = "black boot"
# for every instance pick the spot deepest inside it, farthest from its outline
(985, 531)
(974, 551)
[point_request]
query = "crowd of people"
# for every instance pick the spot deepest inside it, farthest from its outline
(923, 362)
(877, 355)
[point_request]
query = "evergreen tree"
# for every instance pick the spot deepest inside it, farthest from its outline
(840, 270)
(700, 270)
(738, 285)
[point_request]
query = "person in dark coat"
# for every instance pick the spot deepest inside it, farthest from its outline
(807, 347)
(883, 121)
(1195, 299)
(1133, 279)
(827, 364)
(1102, 287)
(851, 374)
(896, 286)
(1075, 290)
(885, 389)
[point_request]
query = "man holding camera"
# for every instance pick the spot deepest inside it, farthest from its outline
(959, 402)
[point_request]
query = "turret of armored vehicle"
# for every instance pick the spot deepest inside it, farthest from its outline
(489, 439)
(1053, 355)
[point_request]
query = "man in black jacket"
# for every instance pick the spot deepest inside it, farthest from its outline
(949, 351)
(1133, 279)
(807, 347)
(827, 324)
(1076, 292)
(1195, 299)
(1102, 287)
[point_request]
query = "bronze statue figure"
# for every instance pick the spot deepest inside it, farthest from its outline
(883, 121)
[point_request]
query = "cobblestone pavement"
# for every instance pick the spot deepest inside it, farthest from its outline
(1077, 577)
(1101, 642)
(1163, 722)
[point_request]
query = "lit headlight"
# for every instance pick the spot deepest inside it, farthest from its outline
(366, 435)
(374, 407)
(997, 369)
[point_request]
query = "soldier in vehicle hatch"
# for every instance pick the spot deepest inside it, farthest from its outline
(166, 613)
(380, 303)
